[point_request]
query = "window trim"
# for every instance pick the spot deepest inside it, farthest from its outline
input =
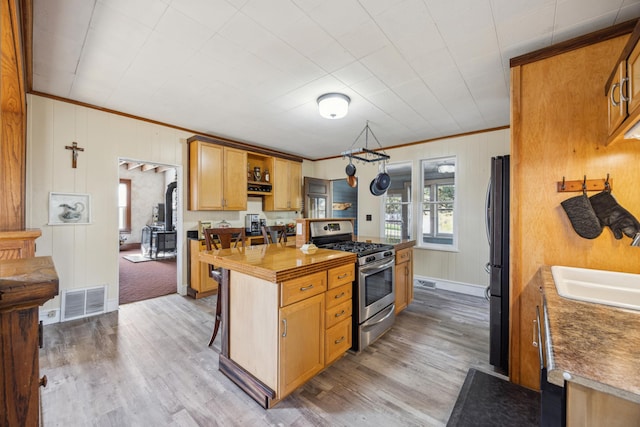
(127, 214)
(410, 203)
(452, 247)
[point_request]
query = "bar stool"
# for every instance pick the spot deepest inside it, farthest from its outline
(221, 238)
(274, 234)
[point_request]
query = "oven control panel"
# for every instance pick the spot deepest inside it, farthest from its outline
(330, 228)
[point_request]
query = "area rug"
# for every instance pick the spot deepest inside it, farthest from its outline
(487, 400)
(136, 258)
(140, 258)
(143, 280)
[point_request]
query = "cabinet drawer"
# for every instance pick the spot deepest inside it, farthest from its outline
(337, 314)
(404, 255)
(338, 295)
(337, 340)
(303, 287)
(341, 275)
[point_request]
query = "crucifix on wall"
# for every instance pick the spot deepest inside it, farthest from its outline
(74, 155)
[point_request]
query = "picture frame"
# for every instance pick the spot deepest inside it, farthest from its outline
(69, 208)
(202, 225)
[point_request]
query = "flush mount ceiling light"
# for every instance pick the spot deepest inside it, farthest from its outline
(445, 168)
(333, 105)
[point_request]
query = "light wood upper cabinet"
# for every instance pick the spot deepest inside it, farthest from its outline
(404, 279)
(633, 74)
(217, 177)
(617, 101)
(235, 180)
(287, 186)
(623, 90)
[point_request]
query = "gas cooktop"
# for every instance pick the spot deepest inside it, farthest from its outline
(360, 248)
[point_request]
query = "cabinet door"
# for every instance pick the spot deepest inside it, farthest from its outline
(281, 185)
(617, 106)
(301, 342)
(19, 372)
(205, 176)
(633, 84)
(295, 186)
(404, 279)
(235, 179)
(338, 340)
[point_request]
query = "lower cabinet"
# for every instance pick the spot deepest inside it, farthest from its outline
(404, 278)
(200, 282)
(25, 284)
(301, 342)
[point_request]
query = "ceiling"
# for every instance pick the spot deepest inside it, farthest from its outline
(251, 70)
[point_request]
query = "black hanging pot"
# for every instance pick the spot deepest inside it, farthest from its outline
(350, 169)
(374, 190)
(382, 181)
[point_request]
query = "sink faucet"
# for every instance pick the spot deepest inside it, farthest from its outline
(636, 240)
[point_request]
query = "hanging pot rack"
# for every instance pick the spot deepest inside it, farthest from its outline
(365, 154)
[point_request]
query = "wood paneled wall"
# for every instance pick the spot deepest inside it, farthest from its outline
(12, 118)
(559, 129)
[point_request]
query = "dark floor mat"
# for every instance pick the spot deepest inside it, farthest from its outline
(486, 400)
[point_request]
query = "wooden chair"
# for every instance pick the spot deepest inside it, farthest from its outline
(274, 234)
(221, 238)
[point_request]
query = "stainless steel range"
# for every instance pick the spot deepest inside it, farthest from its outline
(374, 288)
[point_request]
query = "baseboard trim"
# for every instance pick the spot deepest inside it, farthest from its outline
(448, 285)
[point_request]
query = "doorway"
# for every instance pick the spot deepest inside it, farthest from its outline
(325, 198)
(149, 221)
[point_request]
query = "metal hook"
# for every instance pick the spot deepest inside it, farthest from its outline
(563, 187)
(607, 186)
(584, 184)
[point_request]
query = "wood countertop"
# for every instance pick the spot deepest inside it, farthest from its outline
(276, 262)
(398, 244)
(597, 345)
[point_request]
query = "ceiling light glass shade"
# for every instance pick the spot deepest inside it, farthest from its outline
(446, 168)
(333, 105)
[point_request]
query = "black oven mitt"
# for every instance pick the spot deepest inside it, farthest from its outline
(611, 214)
(582, 216)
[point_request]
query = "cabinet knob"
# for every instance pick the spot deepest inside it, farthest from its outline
(43, 381)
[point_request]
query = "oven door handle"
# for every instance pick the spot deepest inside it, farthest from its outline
(373, 268)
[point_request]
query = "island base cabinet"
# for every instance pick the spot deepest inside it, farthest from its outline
(587, 407)
(301, 342)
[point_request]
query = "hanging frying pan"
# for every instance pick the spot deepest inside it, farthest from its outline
(350, 169)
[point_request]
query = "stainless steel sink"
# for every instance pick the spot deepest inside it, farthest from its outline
(598, 286)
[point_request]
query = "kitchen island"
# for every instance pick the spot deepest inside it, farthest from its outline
(593, 351)
(286, 315)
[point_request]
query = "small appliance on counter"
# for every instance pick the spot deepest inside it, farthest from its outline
(253, 224)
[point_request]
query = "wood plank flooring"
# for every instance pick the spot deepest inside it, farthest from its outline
(149, 364)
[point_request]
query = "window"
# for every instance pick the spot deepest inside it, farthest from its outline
(124, 205)
(397, 203)
(438, 220)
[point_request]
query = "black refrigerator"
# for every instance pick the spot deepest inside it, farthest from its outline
(498, 233)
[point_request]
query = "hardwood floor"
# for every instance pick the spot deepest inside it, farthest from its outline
(149, 364)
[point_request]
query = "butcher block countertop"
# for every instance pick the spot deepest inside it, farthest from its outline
(276, 262)
(398, 244)
(597, 345)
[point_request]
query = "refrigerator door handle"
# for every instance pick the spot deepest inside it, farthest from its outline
(487, 204)
(487, 293)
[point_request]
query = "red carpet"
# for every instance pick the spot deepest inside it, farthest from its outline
(144, 280)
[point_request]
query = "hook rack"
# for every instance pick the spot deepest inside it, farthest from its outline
(585, 184)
